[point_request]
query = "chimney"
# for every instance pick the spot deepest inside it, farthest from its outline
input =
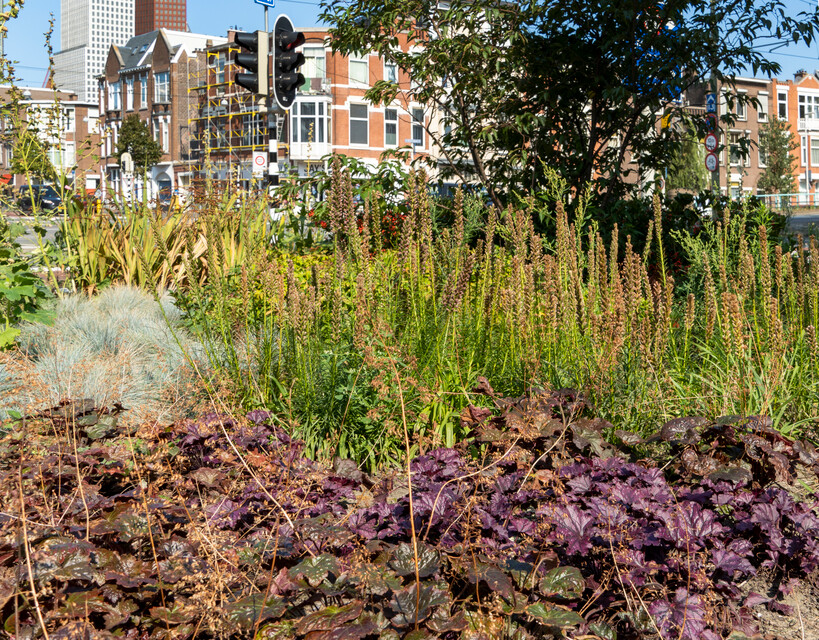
(799, 75)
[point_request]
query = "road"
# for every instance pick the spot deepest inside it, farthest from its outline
(804, 223)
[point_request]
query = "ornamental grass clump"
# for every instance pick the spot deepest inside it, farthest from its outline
(312, 339)
(120, 347)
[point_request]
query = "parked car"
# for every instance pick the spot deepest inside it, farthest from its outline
(42, 196)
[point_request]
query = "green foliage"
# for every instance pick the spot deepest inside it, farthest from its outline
(686, 169)
(22, 292)
(777, 144)
(573, 84)
(135, 138)
(30, 156)
(345, 348)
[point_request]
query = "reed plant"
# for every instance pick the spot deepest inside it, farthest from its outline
(317, 344)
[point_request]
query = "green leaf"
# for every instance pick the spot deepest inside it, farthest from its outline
(554, 616)
(254, 608)
(564, 582)
(8, 336)
(411, 606)
(315, 570)
(603, 630)
(330, 617)
(403, 560)
(175, 615)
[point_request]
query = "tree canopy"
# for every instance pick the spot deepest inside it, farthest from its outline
(135, 137)
(569, 84)
(776, 146)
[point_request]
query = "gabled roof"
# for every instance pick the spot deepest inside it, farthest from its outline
(138, 52)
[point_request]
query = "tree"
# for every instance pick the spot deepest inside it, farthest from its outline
(135, 138)
(30, 156)
(568, 84)
(686, 168)
(776, 144)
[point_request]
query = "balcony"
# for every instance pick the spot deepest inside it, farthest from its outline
(310, 151)
(808, 124)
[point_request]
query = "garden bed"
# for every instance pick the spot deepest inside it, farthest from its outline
(533, 527)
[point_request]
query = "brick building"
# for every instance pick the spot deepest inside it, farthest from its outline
(149, 77)
(797, 101)
(330, 114)
(68, 127)
(739, 172)
(151, 15)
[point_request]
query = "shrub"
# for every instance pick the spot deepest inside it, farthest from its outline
(235, 534)
(115, 348)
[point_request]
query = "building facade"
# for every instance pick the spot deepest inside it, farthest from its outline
(740, 163)
(149, 77)
(797, 101)
(88, 28)
(67, 127)
(151, 15)
(330, 114)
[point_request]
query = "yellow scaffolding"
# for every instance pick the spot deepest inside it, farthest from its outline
(225, 123)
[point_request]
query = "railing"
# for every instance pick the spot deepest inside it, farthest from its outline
(808, 124)
(779, 201)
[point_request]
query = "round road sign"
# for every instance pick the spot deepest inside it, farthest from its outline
(711, 162)
(711, 142)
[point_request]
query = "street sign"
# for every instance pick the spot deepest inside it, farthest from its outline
(711, 142)
(711, 121)
(710, 103)
(711, 162)
(266, 3)
(259, 163)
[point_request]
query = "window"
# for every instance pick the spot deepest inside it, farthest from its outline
(253, 130)
(113, 96)
(217, 63)
(162, 89)
(359, 71)
(390, 71)
(359, 124)
(308, 122)
(804, 147)
(315, 65)
(762, 110)
(814, 152)
(782, 104)
(808, 106)
(129, 94)
(737, 155)
(763, 157)
(741, 107)
(390, 128)
(418, 127)
(143, 91)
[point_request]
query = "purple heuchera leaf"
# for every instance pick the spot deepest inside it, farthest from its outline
(690, 526)
(259, 416)
(681, 619)
(730, 562)
(226, 513)
(575, 528)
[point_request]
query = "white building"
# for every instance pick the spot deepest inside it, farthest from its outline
(88, 28)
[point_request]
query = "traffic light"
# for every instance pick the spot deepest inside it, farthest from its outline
(255, 59)
(286, 62)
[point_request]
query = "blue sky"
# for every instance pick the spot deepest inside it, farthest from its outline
(25, 42)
